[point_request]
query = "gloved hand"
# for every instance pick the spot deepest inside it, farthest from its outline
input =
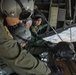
(56, 70)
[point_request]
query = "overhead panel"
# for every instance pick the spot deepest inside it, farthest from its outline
(53, 14)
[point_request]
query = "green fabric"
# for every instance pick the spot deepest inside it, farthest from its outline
(35, 29)
(36, 42)
(19, 60)
(36, 46)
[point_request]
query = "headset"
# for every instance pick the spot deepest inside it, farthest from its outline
(23, 15)
(24, 12)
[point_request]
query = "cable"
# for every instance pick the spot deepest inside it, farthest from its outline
(70, 31)
(70, 35)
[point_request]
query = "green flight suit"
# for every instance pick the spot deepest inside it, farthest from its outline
(19, 60)
(35, 40)
(37, 45)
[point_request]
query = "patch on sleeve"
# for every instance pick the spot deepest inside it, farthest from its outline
(33, 30)
(9, 34)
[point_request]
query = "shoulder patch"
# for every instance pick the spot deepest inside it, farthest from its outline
(33, 30)
(9, 34)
